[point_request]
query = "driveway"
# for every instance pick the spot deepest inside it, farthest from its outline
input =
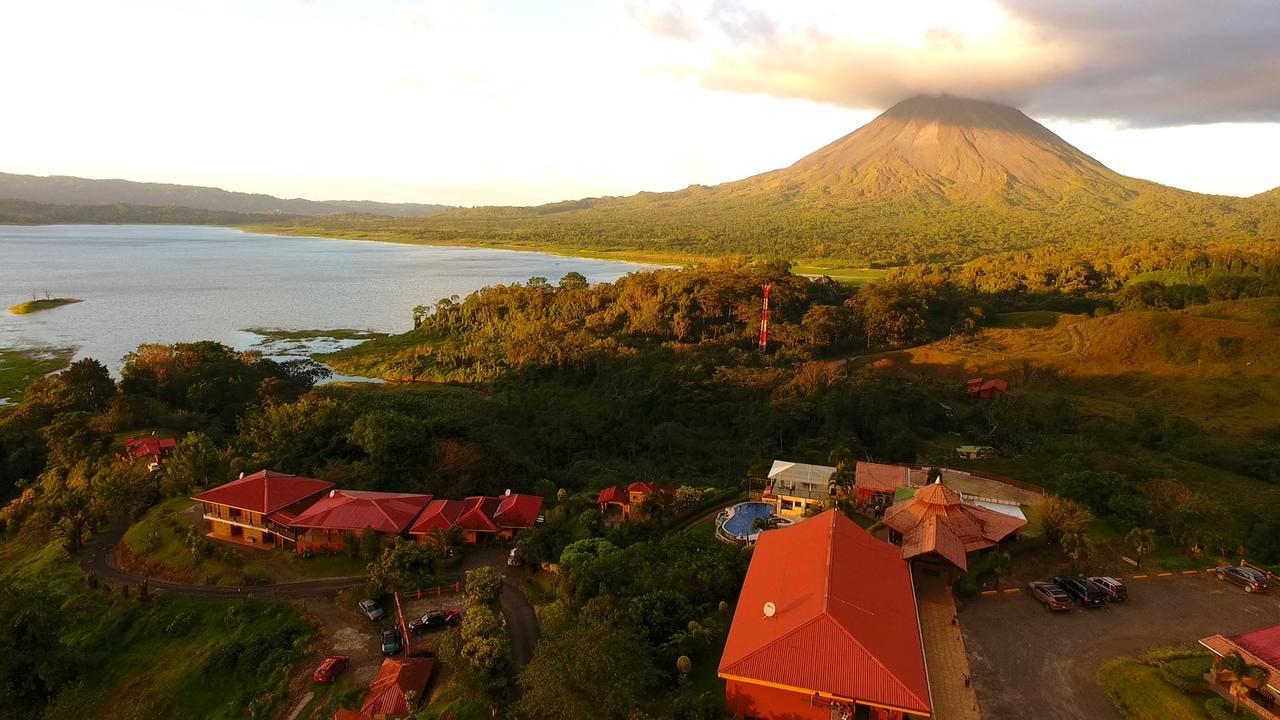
(1028, 662)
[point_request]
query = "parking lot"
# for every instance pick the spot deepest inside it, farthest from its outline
(1029, 662)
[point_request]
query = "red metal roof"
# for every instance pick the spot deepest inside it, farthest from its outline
(517, 512)
(396, 677)
(358, 510)
(440, 515)
(614, 494)
(149, 445)
(477, 514)
(1263, 644)
(881, 478)
(264, 491)
(845, 621)
(934, 520)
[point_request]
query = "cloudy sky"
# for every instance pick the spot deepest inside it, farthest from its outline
(492, 101)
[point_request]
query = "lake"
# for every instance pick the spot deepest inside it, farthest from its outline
(167, 284)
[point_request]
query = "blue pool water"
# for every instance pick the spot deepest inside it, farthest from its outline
(745, 516)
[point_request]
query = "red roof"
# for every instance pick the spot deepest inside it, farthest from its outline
(360, 510)
(477, 514)
(149, 445)
(1263, 644)
(881, 478)
(264, 491)
(845, 620)
(396, 677)
(517, 512)
(440, 515)
(614, 494)
(934, 520)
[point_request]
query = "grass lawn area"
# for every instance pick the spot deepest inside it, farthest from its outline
(160, 658)
(158, 543)
(1026, 319)
(1139, 693)
(20, 368)
(851, 276)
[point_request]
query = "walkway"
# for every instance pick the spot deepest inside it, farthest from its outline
(944, 650)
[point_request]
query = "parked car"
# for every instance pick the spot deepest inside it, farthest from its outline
(390, 641)
(435, 619)
(1082, 590)
(331, 668)
(372, 610)
(1248, 578)
(1115, 590)
(1050, 595)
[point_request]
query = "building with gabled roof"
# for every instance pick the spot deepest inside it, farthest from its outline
(618, 503)
(935, 522)
(826, 623)
(255, 509)
(150, 446)
(435, 522)
(388, 695)
(327, 522)
(516, 512)
(1259, 647)
(876, 483)
(795, 487)
(478, 517)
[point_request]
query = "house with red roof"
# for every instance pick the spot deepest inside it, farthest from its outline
(876, 483)
(398, 688)
(619, 503)
(985, 389)
(150, 446)
(826, 626)
(1260, 648)
(478, 518)
(327, 522)
(256, 509)
(934, 523)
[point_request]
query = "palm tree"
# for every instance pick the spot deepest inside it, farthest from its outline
(1142, 540)
(1245, 676)
(1077, 546)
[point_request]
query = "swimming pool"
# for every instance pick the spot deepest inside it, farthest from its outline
(738, 524)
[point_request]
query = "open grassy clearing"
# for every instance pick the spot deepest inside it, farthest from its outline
(20, 368)
(1164, 684)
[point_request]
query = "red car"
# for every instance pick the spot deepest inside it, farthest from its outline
(331, 668)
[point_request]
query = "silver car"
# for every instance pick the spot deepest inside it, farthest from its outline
(372, 610)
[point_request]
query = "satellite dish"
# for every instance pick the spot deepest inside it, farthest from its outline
(508, 491)
(770, 609)
(241, 475)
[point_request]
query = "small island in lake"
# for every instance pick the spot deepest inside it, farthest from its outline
(31, 306)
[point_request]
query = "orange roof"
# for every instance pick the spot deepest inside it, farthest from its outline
(845, 621)
(934, 520)
(396, 677)
(874, 476)
(264, 491)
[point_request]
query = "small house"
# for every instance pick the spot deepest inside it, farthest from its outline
(150, 447)
(328, 522)
(620, 503)
(985, 389)
(398, 688)
(975, 452)
(795, 487)
(875, 483)
(936, 525)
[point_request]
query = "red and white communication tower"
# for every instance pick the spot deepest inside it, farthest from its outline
(764, 318)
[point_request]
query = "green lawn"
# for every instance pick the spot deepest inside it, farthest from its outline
(159, 540)
(20, 368)
(1139, 693)
(851, 276)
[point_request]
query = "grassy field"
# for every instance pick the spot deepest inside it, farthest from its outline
(31, 306)
(1026, 319)
(1164, 684)
(336, 334)
(166, 657)
(20, 368)
(159, 541)
(851, 276)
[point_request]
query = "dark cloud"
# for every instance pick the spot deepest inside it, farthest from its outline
(1144, 63)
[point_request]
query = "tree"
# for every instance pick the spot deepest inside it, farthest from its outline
(369, 544)
(1062, 517)
(1142, 540)
(1245, 676)
(483, 587)
(404, 565)
(573, 281)
(1078, 546)
(999, 565)
(485, 645)
(196, 462)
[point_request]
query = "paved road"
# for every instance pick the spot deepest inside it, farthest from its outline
(99, 558)
(1028, 662)
(522, 618)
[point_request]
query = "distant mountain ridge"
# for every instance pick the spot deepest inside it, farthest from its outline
(67, 190)
(932, 179)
